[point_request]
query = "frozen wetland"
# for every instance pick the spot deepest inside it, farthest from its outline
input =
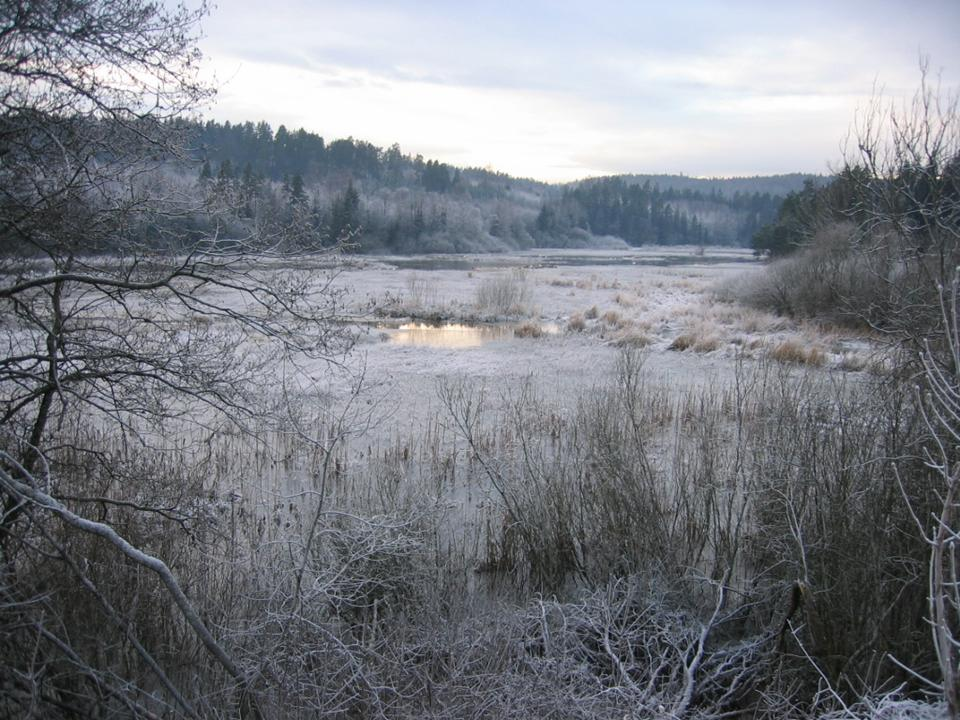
(420, 321)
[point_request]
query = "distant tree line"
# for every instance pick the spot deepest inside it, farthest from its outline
(479, 209)
(284, 155)
(775, 185)
(251, 179)
(643, 214)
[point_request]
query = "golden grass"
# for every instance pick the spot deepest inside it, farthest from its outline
(576, 323)
(633, 339)
(682, 342)
(792, 351)
(696, 341)
(705, 344)
(611, 317)
(528, 330)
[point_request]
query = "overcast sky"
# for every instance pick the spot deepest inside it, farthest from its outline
(564, 90)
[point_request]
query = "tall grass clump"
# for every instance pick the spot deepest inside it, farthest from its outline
(773, 488)
(504, 294)
(421, 293)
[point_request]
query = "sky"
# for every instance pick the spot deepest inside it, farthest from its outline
(559, 91)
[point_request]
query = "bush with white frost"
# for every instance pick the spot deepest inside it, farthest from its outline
(504, 294)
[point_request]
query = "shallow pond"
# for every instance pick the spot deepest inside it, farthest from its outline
(460, 335)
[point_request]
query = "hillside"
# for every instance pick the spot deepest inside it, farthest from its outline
(389, 201)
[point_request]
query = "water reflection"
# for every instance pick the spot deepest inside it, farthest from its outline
(452, 335)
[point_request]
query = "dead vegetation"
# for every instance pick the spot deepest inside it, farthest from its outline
(792, 351)
(528, 330)
(506, 294)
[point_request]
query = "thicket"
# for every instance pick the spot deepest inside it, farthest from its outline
(741, 548)
(879, 248)
(878, 245)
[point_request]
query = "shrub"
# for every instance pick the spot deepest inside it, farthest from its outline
(506, 294)
(788, 504)
(421, 292)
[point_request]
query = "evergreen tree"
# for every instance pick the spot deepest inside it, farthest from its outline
(249, 188)
(344, 215)
(297, 195)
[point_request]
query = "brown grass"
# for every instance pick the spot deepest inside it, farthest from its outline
(705, 344)
(682, 342)
(852, 362)
(791, 351)
(611, 317)
(528, 330)
(576, 323)
(633, 339)
(696, 342)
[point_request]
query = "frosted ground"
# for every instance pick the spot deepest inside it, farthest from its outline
(421, 322)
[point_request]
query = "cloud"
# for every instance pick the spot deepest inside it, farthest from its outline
(559, 90)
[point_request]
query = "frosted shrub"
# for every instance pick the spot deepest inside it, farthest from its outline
(507, 294)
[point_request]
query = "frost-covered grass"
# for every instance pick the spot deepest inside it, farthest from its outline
(597, 550)
(504, 294)
(584, 525)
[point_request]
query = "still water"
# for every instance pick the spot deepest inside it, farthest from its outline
(456, 335)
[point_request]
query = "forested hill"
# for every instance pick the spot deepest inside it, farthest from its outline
(392, 201)
(774, 185)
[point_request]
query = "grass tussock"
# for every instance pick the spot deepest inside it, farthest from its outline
(853, 362)
(528, 330)
(696, 341)
(682, 342)
(421, 293)
(576, 323)
(633, 339)
(611, 318)
(793, 351)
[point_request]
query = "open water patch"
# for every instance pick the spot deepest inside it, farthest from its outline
(533, 261)
(455, 335)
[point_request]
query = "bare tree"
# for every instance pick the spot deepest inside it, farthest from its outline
(941, 530)
(903, 173)
(121, 320)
